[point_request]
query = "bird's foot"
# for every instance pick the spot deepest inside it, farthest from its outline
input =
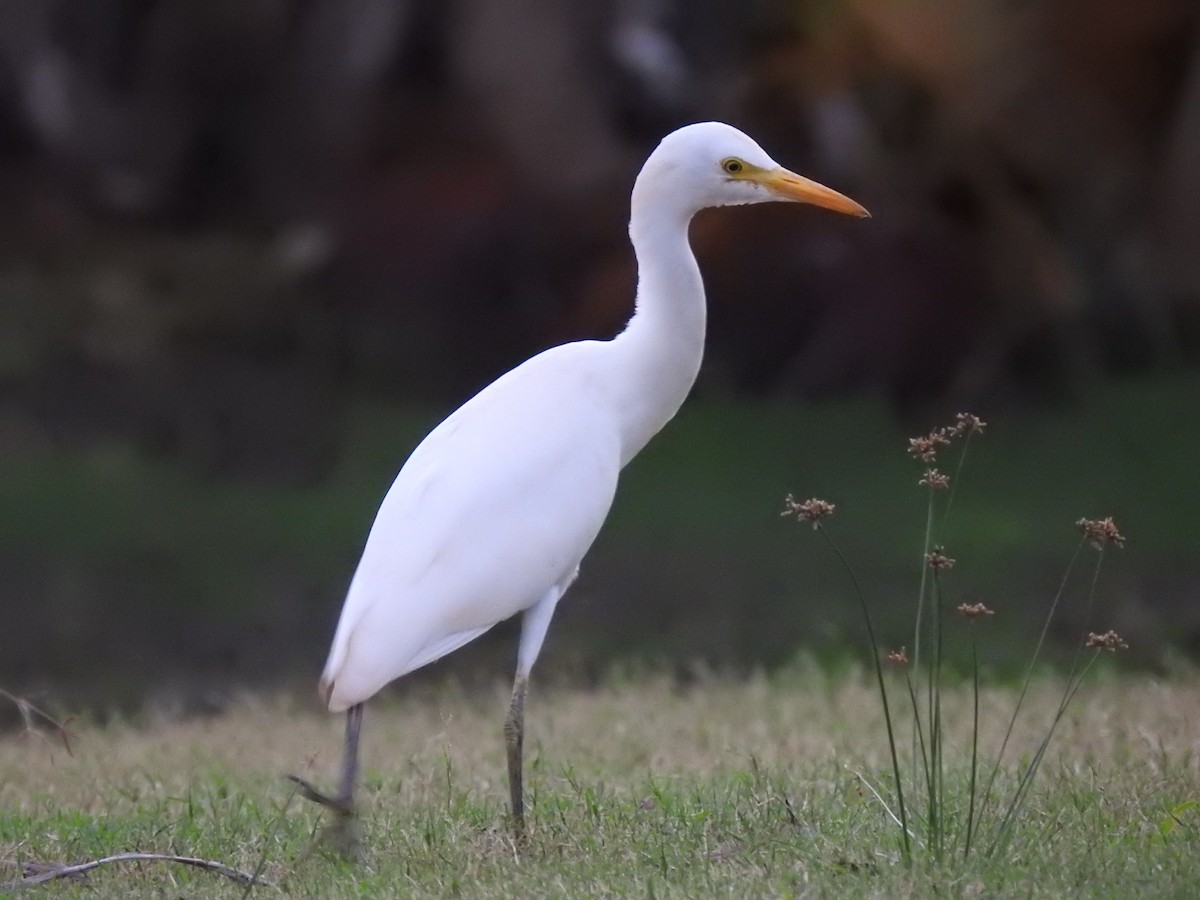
(340, 806)
(520, 837)
(343, 833)
(345, 837)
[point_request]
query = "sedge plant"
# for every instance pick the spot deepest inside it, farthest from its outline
(934, 822)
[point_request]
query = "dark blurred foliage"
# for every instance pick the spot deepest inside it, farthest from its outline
(296, 196)
(223, 218)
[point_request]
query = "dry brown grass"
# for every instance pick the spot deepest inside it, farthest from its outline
(742, 788)
(651, 727)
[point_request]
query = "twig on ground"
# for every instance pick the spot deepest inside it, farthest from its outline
(50, 871)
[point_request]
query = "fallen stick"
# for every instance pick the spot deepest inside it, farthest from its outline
(51, 871)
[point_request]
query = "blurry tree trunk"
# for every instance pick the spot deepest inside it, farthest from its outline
(527, 64)
(129, 96)
(314, 118)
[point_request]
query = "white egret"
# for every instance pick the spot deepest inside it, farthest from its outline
(493, 512)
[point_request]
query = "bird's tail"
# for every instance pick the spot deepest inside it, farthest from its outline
(333, 666)
(325, 689)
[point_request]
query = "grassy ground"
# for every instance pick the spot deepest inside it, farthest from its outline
(639, 788)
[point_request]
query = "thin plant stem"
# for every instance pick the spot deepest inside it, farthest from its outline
(974, 741)
(1087, 614)
(887, 714)
(919, 624)
(933, 761)
(987, 793)
(920, 731)
(938, 791)
(1000, 840)
(938, 795)
(924, 586)
(1074, 681)
(879, 798)
(958, 470)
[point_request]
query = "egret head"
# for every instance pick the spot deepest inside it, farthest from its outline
(713, 164)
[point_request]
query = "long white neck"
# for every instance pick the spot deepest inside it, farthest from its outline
(657, 357)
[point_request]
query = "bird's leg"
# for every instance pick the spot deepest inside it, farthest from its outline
(342, 802)
(345, 794)
(344, 829)
(514, 738)
(533, 631)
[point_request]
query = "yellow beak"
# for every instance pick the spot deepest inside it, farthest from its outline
(790, 186)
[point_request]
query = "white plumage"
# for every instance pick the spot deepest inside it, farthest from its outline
(493, 512)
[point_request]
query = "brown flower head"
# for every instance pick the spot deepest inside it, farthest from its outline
(898, 657)
(938, 561)
(925, 448)
(1099, 532)
(811, 510)
(1110, 640)
(965, 423)
(935, 480)
(974, 610)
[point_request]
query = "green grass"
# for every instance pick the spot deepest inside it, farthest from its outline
(741, 788)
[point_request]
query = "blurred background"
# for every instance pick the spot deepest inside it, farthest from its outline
(251, 250)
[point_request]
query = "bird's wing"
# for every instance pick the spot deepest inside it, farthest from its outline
(497, 505)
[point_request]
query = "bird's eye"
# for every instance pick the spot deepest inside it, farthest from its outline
(732, 166)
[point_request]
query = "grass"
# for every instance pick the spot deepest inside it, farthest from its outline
(642, 787)
(769, 786)
(938, 823)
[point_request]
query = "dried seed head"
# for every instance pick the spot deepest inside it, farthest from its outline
(965, 423)
(974, 610)
(898, 657)
(938, 561)
(811, 510)
(922, 448)
(1110, 640)
(1099, 532)
(935, 480)
(925, 448)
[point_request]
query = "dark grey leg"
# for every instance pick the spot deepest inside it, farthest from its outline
(345, 794)
(344, 829)
(514, 738)
(533, 631)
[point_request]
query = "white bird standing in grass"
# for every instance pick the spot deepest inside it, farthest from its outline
(494, 511)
